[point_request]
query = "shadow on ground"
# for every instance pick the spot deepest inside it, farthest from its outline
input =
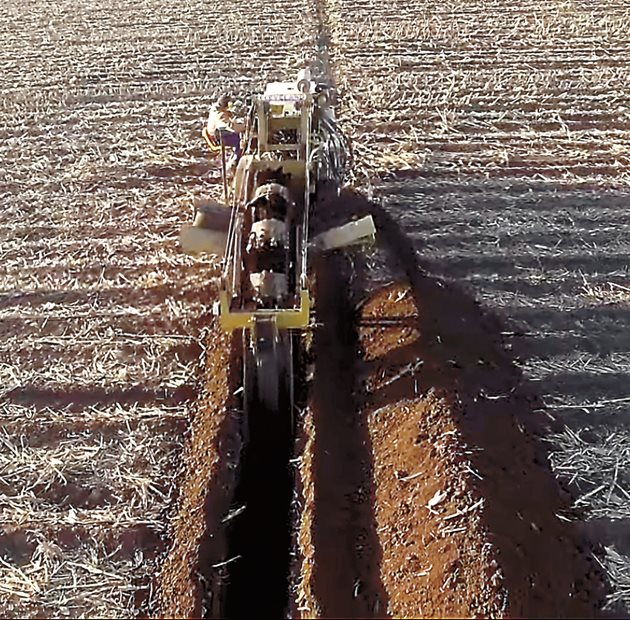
(549, 567)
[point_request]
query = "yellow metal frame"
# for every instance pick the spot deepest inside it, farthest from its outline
(270, 120)
(285, 319)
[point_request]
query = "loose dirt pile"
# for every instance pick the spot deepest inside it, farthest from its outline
(464, 492)
(432, 494)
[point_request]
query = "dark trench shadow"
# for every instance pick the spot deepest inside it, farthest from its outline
(260, 535)
(244, 553)
(549, 566)
(348, 556)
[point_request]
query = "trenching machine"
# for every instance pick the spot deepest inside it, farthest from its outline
(293, 152)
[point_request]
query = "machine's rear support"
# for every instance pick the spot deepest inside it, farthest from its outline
(268, 370)
(224, 170)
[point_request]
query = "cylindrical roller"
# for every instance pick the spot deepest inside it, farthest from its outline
(209, 231)
(212, 215)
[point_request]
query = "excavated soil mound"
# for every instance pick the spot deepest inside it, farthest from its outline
(471, 520)
(429, 492)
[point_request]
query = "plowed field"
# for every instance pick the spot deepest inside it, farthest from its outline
(451, 459)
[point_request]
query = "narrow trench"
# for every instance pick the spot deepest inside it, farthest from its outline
(258, 531)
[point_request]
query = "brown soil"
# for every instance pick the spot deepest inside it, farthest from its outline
(189, 579)
(498, 457)
(427, 491)
(494, 545)
(234, 506)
